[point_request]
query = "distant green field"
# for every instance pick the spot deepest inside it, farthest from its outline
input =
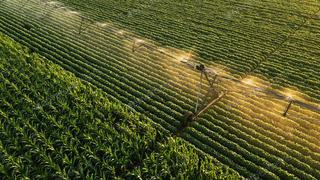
(273, 43)
(55, 126)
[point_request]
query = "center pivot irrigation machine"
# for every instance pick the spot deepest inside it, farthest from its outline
(213, 94)
(216, 91)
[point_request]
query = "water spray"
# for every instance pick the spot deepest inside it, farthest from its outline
(24, 3)
(85, 23)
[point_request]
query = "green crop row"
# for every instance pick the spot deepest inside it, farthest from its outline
(55, 126)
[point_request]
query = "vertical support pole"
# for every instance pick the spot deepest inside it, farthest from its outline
(81, 24)
(133, 46)
(209, 81)
(199, 92)
(287, 109)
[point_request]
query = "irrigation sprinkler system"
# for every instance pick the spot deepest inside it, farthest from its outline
(214, 79)
(266, 93)
(50, 7)
(288, 98)
(213, 95)
(137, 44)
(85, 23)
